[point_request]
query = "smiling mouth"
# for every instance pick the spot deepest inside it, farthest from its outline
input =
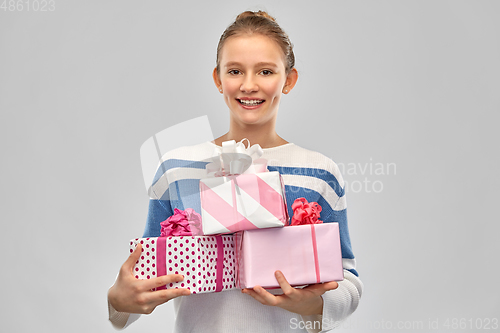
(250, 102)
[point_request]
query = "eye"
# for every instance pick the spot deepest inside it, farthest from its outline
(266, 72)
(234, 72)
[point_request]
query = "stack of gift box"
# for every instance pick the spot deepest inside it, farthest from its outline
(243, 234)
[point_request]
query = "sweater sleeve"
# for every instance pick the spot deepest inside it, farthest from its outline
(121, 320)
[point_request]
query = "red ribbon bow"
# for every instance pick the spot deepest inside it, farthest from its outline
(305, 212)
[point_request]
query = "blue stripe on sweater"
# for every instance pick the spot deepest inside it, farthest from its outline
(176, 163)
(185, 193)
(353, 271)
(159, 210)
(311, 172)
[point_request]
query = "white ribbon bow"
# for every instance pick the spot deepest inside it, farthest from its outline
(236, 159)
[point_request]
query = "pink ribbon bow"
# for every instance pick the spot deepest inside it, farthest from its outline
(305, 212)
(183, 223)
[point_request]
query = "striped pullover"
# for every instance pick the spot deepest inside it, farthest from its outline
(305, 174)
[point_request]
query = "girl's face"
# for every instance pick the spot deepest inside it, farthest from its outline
(252, 78)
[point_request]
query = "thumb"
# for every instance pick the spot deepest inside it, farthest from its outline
(132, 259)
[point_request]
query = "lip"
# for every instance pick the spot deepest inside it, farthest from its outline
(252, 107)
(250, 98)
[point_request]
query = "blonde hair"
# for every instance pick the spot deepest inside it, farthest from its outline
(260, 23)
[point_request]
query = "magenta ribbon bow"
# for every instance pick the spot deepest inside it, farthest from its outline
(183, 223)
(305, 212)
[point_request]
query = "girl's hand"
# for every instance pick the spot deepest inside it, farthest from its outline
(131, 295)
(306, 301)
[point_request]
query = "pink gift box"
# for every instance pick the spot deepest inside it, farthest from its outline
(306, 254)
(206, 262)
(243, 202)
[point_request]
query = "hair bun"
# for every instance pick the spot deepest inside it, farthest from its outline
(260, 13)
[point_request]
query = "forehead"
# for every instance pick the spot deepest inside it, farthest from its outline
(250, 50)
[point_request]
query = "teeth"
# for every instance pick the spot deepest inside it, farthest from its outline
(250, 102)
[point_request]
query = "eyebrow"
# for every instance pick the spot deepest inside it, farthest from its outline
(259, 64)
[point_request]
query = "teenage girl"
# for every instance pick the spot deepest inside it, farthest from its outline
(255, 67)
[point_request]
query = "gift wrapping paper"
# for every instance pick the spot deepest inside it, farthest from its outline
(206, 262)
(306, 254)
(243, 202)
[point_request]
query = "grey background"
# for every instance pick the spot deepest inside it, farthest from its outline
(413, 83)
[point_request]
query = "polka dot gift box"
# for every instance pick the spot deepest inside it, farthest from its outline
(207, 262)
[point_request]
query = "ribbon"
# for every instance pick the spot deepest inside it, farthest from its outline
(236, 159)
(219, 264)
(161, 258)
(315, 251)
(161, 261)
(308, 213)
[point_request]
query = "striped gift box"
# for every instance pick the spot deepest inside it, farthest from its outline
(242, 202)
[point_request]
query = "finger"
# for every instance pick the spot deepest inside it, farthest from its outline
(152, 299)
(321, 288)
(330, 285)
(266, 296)
(255, 295)
(163, 296)
(285, 286)
(161, 281)
(132, 258)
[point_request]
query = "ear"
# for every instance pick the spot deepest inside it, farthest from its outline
(291, 80)
(217, 81)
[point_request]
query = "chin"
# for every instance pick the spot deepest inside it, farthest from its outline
(249, 120)
(254, 120)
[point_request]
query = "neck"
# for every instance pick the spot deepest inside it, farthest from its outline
(266, 138)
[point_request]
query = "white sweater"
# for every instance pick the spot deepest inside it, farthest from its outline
(305, 174)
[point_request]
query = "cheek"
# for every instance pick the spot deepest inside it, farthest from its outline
(273, 92)
(273, 88)
(230, 88)
(228, 99)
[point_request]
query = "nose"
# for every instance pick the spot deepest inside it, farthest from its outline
(249, 84)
